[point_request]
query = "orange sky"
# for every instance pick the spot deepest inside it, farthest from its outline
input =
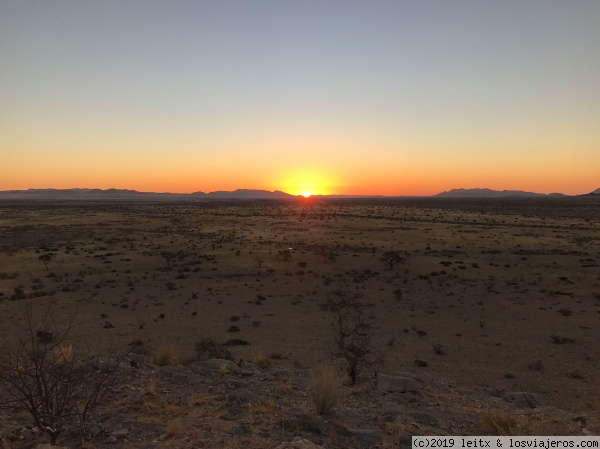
(391, 99)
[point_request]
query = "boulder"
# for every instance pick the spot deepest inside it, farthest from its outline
(221, 365)
(248, 369)
(524, 399)
(243, 396)
(396, 383)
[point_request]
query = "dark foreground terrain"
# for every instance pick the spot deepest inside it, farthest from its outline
(487, 314)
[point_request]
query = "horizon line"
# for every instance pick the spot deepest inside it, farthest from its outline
(275, 191)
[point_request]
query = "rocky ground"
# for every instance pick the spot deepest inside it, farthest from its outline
(216, 403)
(488, 320)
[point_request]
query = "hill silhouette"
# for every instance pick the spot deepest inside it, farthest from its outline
(125, 194)
(487, 193)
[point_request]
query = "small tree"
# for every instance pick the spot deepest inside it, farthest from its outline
(168, 256)
(284, 254)
(352, 331)
(391, 258)
(45, 258)
(41, 375)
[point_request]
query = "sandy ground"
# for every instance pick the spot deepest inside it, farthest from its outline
(507, 290)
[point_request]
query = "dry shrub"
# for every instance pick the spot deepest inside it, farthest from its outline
(261, 360)
(149, 387)
(163, 355)
(500, 423)
(284, 386)
(42, 376)
(324, 388)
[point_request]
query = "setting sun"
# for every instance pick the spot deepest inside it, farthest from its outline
(307, 183)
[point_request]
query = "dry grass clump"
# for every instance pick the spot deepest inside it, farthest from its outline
(325, 388)
(261, 360)
(494, 422)
(163, 355)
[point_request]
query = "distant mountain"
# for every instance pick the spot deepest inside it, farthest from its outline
(124, 194)
(250, 194)
(489, 193)
(596, 192)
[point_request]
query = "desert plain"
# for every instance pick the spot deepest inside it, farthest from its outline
(494, 295)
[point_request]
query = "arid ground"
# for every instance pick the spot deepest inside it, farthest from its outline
(502, 294)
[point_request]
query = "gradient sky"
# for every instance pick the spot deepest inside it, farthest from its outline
(352, 97)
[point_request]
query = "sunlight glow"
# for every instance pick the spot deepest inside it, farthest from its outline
(307, 183)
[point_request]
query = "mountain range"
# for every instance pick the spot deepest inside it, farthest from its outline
(489, 193)
(125, 194)
(240, 194)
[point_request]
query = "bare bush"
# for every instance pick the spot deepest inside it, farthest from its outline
(352, 330)
(42, 375)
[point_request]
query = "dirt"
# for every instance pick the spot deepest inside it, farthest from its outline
(495, 295)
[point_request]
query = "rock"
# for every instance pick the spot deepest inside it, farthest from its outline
(299, 443)
(234, 382)
(110, 440)
(298, 381)
(95, 431)
(524, 399)
(367, 438)
(201, 370)
(243, 396)
(222, 366)
(196, 379)
(402, 398)
(120, 434)
(249, 369)
(104, 362)
(396, 383)
(300, 422)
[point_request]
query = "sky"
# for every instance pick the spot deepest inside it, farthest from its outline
(327, 97)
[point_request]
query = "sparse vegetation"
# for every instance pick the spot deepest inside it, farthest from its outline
(41, 375)
(500, 423)
(207, 348)
(391, 258)
(352, 331)
(559, 340)
(261, 360)
(163, 355)
(325, 389)
(439, 349)
(472, 271)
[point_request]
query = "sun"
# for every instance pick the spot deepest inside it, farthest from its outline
(307, 184)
